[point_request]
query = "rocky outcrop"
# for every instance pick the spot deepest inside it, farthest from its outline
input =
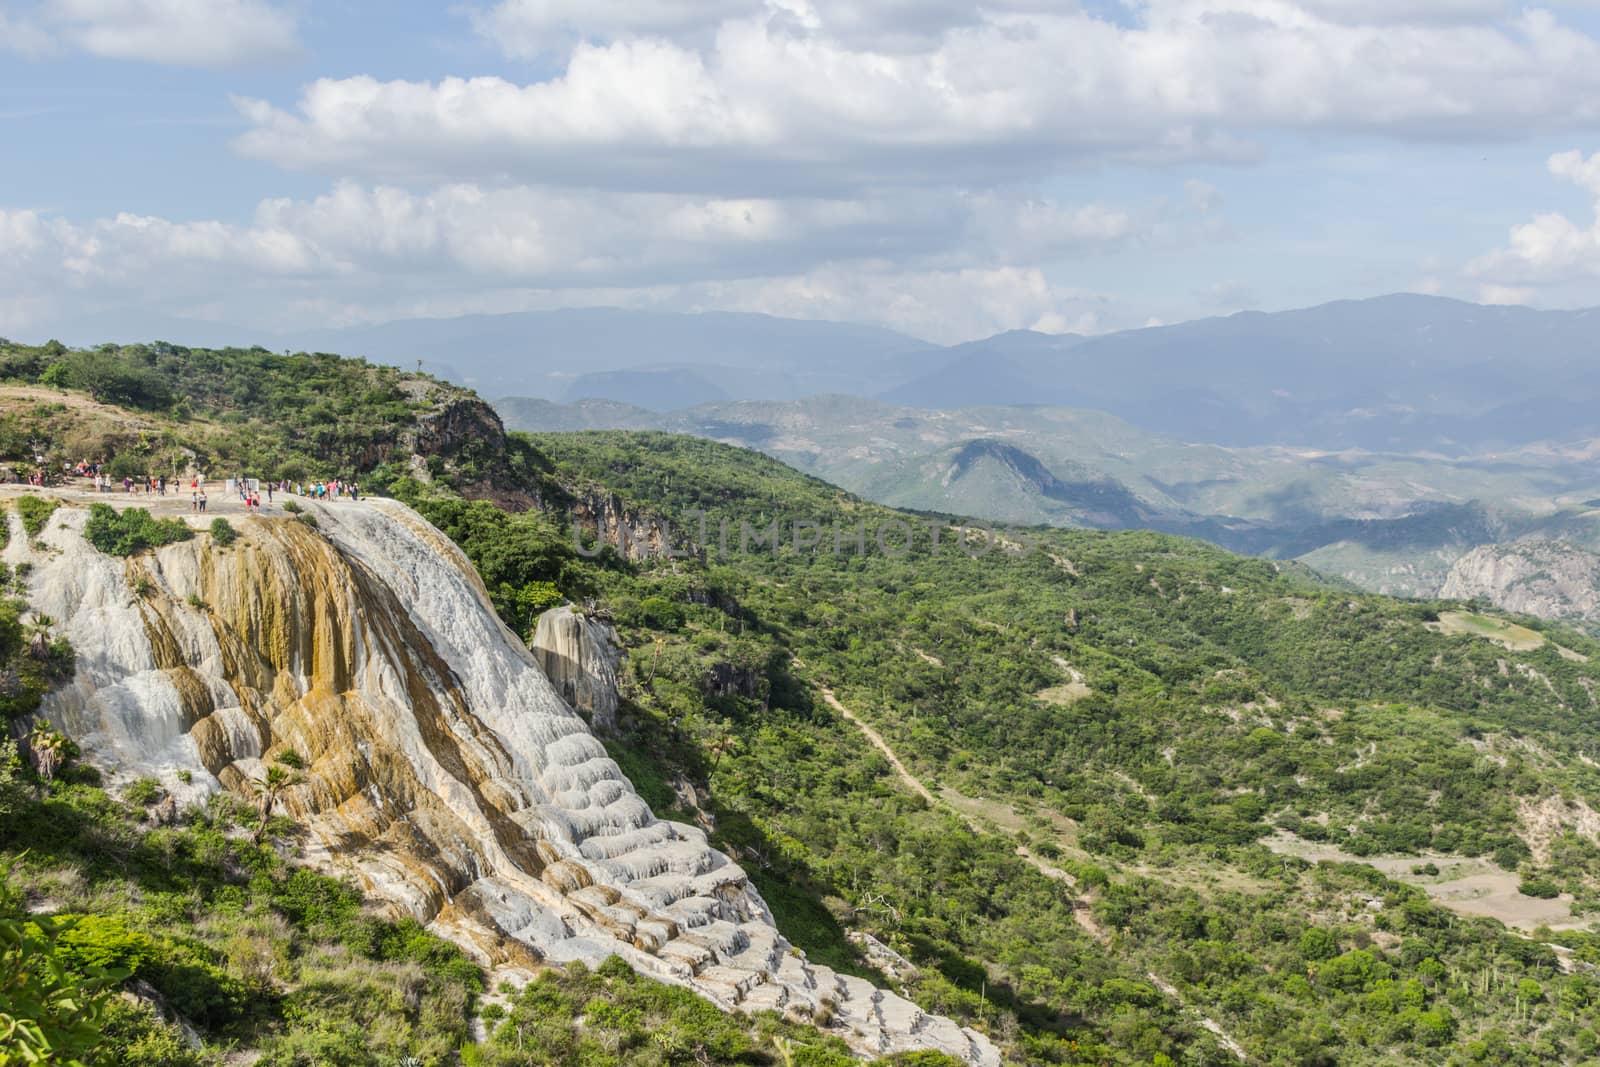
(1547, 579)
(581, 656)
(736, 679)
(454, 431)
(604, 519)
(441, 768)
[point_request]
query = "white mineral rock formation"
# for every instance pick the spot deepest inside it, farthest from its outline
(581, 657)
(443, 771)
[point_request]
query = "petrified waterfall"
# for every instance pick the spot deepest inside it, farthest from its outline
(442, 770)
(581, 658)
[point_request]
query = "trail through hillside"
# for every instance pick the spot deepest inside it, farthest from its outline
(965, 808)
(911, 781)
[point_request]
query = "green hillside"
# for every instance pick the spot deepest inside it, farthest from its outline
(1391, 522)
(1141, 715)
(1110, 797)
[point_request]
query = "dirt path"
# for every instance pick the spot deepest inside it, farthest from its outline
(964, 807)
(1206, 1021)
(911, 781)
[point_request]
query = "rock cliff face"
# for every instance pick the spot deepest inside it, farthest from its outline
(581, 658)
(442, 769)
(463, 434)
(1548, 579)
(604, 519)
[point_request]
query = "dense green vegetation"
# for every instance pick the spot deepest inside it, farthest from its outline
(223, 412)
(132, 530)
(33, 657)
(1121, 734)
(1143, 709)
(203, 924)
(208, 927)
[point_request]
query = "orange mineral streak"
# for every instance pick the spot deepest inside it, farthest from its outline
(440, 767)
(295, 622)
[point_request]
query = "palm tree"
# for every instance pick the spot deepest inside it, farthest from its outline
(725, 743)
(49, 750)
(39, 636)
(268, 790)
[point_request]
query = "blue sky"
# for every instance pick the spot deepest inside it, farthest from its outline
(944, 168)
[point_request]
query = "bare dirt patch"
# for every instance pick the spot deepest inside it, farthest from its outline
(1509, 634)
(1545, 820)
(1074, 689)
(1473, 887)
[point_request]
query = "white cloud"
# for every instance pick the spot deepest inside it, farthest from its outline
(1504, 294)
(1551, 250)
(943, 305)
(1408, 11)
(526, 28)
(24, 35)
(777, 99)
(970, 260)
(533, 27)
(189, 33)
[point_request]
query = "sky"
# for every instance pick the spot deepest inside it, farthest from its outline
(944, 168)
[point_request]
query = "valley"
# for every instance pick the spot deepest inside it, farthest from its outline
(1097, 796)
(1391, 523)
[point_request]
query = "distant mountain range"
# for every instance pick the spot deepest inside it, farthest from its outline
(659, 360)
(1388, 521)
(1396, 373)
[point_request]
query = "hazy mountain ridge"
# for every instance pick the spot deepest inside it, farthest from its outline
(1400, 373)
(1395, 372)
(1392, 523)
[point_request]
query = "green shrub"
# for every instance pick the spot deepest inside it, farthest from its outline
(222, 532)
(35, 512)
(12, 792)
(1543, 888)
(1318, 944)
(143, 791)
(134, 1036)
(105, 942)
(292, 508)
(53, 1010)
(124, 533)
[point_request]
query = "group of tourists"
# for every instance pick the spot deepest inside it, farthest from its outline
(250, 490)
(334, 490)
(103, 483)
